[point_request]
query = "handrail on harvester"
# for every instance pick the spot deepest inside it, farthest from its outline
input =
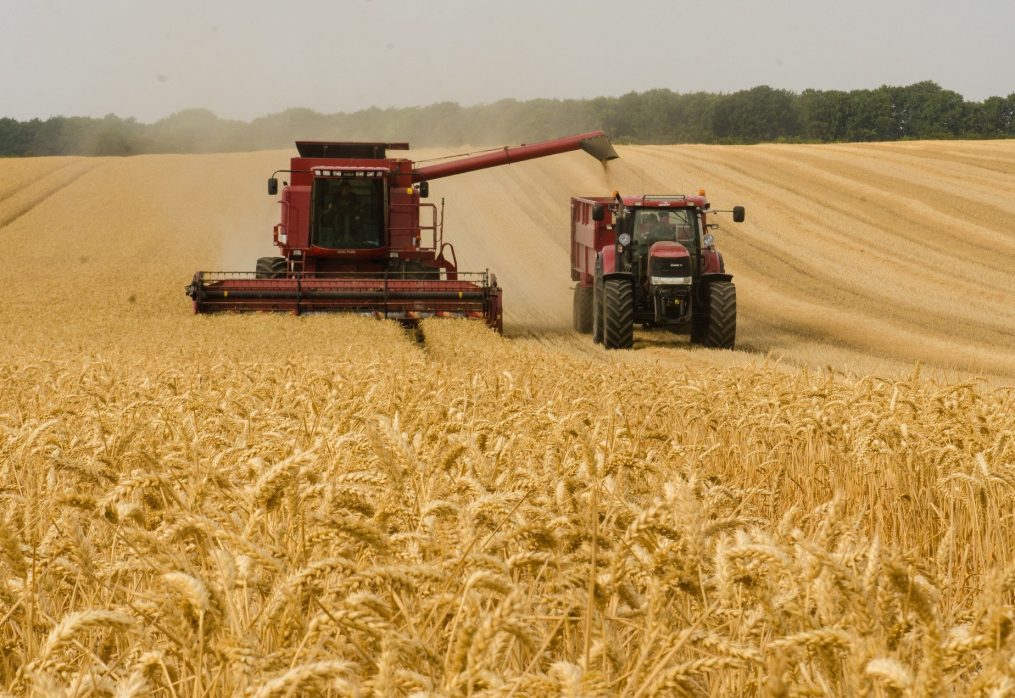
(595, 143)
(433, 227)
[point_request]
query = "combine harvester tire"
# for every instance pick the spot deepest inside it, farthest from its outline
(271, 268)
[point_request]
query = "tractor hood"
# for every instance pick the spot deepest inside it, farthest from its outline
(669, 263)
(668, 249)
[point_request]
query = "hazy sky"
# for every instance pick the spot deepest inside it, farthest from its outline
(243, 59)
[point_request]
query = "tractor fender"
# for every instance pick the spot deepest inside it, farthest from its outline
(608, 260)
(618, 275)
(706, 279)
(606, 265)
(712, 262)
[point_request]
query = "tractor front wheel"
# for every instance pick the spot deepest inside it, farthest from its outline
(618, 314)
(721, 332)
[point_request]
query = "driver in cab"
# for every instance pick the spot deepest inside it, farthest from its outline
(647, 225)
(344, 215)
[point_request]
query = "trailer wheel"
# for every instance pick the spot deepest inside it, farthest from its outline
(722, 315)
(271, 268)
(582, 317)
(597, 310)
(618, 307)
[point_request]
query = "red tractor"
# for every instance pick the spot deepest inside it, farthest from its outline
(355, 237)
(650, 260)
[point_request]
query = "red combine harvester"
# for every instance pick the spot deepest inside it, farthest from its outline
(353, 237)
(650, 260)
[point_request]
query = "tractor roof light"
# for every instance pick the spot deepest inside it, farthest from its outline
(666, 198)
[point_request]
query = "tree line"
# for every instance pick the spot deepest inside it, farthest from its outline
(761, 114)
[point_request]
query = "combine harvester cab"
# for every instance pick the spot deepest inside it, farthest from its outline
(650, 260)
(354, 236)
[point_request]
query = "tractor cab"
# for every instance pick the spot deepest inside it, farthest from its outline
(664, 244)
(660, 237)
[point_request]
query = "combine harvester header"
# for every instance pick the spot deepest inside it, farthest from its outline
(354, 236)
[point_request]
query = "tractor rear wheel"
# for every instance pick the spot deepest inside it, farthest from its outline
(618, 315)
(722, 315)
(271, 268)
(582, 318)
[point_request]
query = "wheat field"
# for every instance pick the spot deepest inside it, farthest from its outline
(271, 505)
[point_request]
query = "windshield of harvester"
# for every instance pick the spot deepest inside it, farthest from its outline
(348, 212)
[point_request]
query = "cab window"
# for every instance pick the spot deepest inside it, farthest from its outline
(654, 225)
(348, 212)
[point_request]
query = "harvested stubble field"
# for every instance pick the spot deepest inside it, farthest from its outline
(270, 505)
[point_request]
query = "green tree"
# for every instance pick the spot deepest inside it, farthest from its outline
(996, 118)
(924, 110)
(758, 114)
(824, 115)
(15, 137)
(870, 116)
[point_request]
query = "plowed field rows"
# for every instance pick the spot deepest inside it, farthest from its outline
(270, 505)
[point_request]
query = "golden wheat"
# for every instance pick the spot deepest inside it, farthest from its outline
(288, 525)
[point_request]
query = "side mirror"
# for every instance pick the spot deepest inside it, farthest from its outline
(738, 214)
(424, 189)
(598, 211)
(272, 186)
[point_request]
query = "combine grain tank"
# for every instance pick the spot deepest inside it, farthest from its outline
(355, 236)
